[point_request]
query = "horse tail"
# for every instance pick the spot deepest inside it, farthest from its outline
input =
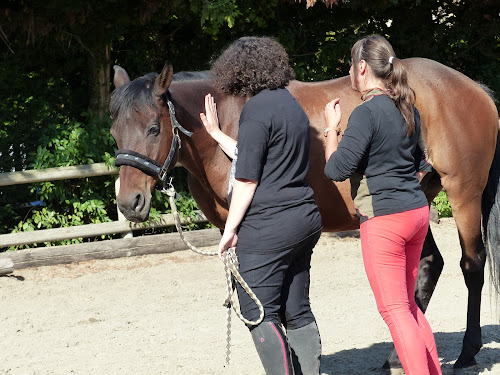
(491, 218)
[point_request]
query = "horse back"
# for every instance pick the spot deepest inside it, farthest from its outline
(459, 120)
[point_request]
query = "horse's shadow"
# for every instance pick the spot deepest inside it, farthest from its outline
(370, 360)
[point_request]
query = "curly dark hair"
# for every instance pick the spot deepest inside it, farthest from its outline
(250, 65)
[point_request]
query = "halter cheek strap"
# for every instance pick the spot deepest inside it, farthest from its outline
(171, 109)
(147, 165)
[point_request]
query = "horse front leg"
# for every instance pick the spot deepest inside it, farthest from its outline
(429, 270)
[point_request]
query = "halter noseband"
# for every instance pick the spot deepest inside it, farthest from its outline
(147, 165)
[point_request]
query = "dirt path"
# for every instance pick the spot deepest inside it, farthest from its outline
(163, 314)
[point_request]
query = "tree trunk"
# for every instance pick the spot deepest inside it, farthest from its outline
(100, 86)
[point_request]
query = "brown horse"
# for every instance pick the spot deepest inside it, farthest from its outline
(460, 128)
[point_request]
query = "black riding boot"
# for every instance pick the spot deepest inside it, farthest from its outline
(273, 349)
(306, 349)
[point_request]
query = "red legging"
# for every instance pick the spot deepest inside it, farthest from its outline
(391, 246)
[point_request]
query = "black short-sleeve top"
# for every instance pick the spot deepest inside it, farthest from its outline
(380, 159)
(273, 149)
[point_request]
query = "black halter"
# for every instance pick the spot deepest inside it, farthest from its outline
(147, 165)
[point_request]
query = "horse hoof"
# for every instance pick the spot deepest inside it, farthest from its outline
(392, 371)
(471, 370)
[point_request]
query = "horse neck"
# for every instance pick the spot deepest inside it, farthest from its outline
(200, 154)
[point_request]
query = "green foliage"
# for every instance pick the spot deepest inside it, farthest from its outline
(186, 206)
(442, 205)
(75, 143)
(74, 201)
(29, 103)
(215, 14)
(185, 203)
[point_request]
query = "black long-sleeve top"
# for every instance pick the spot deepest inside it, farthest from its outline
(380, 159)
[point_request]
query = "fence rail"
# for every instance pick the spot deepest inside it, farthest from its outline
(90, 230)
(54, 174)
(121, 226)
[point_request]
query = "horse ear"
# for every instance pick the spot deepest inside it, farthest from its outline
(121, 77)
(162, 82)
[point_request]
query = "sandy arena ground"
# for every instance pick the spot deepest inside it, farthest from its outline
(163, 314)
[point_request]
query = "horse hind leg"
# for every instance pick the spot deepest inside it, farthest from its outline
(474, 254)
(466, 205)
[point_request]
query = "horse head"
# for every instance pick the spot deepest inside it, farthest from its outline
(142, 128)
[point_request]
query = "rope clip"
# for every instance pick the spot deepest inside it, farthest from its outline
(169, 189)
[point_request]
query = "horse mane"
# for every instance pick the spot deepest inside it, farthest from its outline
(191, 75)
(487, 90)
(138, 94)
(131, 96)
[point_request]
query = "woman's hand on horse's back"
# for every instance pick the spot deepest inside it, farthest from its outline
(210, 119)
(211, 122)
(333, 114)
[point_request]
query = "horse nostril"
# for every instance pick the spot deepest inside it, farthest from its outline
(138, 204)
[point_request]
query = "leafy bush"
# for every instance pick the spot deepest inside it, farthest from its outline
(71, 202)
(33, 106)
(442, 205)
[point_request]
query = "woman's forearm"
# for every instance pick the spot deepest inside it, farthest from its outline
(243, 192)
(333, 115)
(332, 143)
(226, 143)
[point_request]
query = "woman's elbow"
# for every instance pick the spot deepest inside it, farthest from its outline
(332, 175)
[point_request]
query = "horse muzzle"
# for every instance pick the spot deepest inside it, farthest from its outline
(135, 206)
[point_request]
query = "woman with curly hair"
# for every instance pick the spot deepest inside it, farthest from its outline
(273, 220)
(381, 153)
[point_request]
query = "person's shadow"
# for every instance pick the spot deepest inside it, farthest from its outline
(367, 361)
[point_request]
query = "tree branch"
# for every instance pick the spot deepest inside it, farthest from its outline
(5, 40)
(79, 40)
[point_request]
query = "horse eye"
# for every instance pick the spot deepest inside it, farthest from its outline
(154, 129)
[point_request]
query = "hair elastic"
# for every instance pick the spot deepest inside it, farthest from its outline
(390, 59)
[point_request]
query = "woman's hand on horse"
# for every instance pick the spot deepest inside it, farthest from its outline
(333, 114)
(210, 119)
(229, 239)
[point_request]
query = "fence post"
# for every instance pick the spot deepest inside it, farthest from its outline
(6, 266)
(120, 215)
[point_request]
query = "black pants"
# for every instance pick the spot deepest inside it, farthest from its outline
(280, 279)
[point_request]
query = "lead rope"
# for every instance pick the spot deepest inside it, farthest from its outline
(232, 274)
(170, 191)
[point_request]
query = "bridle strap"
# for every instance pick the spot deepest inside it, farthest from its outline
(134, 159)
(175, 124)
(147, 165)
(173, 148)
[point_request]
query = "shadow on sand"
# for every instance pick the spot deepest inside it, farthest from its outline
(367, 361)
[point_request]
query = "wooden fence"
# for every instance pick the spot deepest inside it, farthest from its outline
(126, 246)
